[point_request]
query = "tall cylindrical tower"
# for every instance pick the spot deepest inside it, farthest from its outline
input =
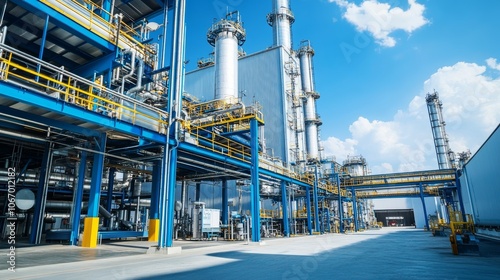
(226, 35)
(306, 52)
(444, 154)
(281, 20)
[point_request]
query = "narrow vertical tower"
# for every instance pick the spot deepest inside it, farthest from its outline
(226, 35)
(306, 52)
(444, 154)
(281, 20)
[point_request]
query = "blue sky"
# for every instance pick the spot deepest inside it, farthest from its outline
(374, 63)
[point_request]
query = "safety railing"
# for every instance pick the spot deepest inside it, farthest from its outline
(83, 12)
(271, 214)
(21, 69)
(218, 144)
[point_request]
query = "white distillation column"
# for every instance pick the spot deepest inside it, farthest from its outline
(281, 20)
(226, 35)
(443, 152)
(312, 121)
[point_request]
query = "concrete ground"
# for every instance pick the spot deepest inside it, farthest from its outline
(389, 253)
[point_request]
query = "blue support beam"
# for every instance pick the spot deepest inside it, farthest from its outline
(423, 206)
(47, 102)
(284, 210)
(308, 206)
(355, 209)
(197, 191)
(100, 65)
(96, 180)
(77, 207)
(41, 195)
(225, 204)
(255, 188)
(315, 198)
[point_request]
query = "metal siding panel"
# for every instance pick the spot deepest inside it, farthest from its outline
(483, 182)
(259, 80)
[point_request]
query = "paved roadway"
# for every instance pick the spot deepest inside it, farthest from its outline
(389, 253)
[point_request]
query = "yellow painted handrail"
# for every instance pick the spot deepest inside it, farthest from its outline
(20, 68)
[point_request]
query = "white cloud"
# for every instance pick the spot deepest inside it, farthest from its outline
(492, 63)
(380, 19)
(471, 102)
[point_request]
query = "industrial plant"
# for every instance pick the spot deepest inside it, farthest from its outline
(105, 136)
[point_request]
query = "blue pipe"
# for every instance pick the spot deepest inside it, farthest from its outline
(42, 45)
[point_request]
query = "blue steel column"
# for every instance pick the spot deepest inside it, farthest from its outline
(155, 187)
(308, 206)
(423, 205)
(77, 207)
(341, 207)
(41, 196)
(225, 204)
(197, 191)
(255, 191)
(91, 226)
(109, 198)
(355, 209)
(42, 44)
(284, 210)
(315, 197)
(174, 109)
(106, 6)
(96, 181)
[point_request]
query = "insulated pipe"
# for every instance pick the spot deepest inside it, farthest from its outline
(132, 67)
(140, 73)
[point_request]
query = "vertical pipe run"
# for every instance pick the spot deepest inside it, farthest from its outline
(308, 206)
(284, 210)
(315, 197)
(355, 209)
(460, 197)
(341, 207)
(41, 195)
(225, 210)
(78, 196)
(109, 200)
(255, 191)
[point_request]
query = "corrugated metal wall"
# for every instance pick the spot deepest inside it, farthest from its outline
(260, 79)
(480, 183)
